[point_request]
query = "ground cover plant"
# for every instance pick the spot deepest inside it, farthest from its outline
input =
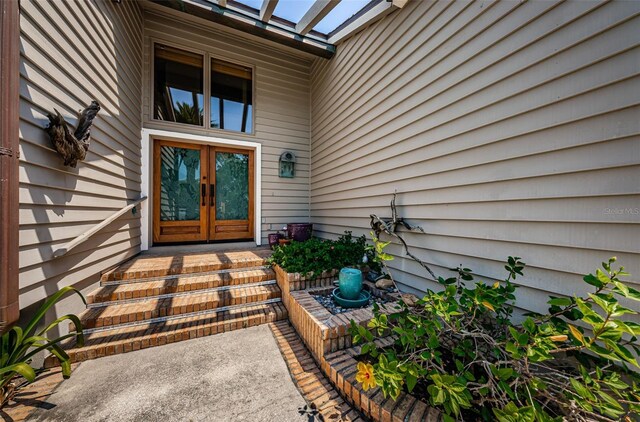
(314, 256)
(18, 346)
(460, 350)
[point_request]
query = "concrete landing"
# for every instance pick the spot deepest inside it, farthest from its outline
(234, 376)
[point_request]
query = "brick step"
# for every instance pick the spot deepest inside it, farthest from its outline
(114, 314)
(144, 288)
(123, 339)
(156, 265)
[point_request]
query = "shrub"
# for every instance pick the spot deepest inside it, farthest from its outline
(19, 345)
(316, 255)
(460, 349)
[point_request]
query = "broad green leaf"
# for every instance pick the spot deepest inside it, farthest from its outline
(48, 304)
(624, 290)
(593, 280)
(604, 278)
(581, 389)
(22, 369)
(560, 301)
(411, 380)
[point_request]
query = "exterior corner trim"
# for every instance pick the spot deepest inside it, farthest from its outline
(9, 162)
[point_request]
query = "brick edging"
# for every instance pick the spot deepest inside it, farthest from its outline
(34, 396)
(328, 340)
(308, 378)
(341, 369)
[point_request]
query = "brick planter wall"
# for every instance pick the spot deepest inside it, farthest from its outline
(320, 330)
(340, 367)
(289, 282)
(328, 339)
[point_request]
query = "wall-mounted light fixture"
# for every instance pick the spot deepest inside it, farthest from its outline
(287, 164)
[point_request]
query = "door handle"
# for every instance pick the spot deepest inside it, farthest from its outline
(204, 193)
(212, 194)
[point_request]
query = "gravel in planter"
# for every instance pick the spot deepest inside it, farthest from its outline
(326, 300)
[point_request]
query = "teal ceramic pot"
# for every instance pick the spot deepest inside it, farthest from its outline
(350, 283)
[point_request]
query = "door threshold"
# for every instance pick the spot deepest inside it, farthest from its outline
(202, 247)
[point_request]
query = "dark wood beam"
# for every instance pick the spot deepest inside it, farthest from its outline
(9, 154)
(250, 24)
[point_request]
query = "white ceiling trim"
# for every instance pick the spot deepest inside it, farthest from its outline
(370, 16)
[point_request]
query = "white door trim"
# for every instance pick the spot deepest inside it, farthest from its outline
(148, 135)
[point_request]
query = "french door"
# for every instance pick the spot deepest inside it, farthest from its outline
(202, 193)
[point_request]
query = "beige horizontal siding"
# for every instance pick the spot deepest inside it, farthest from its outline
(73, 52)
(507, 128)
(282, 109)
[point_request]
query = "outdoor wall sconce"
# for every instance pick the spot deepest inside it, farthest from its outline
(287, 164)
(72, 147)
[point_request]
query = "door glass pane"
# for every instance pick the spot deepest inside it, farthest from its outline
(178, 81)
(179, 184)
(231, 99)
(232, 186)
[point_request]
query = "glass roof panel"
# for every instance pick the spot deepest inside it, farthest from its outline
(256, 4)
(292, 10)
(343, 11)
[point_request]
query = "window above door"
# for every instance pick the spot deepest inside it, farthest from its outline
(199, 90)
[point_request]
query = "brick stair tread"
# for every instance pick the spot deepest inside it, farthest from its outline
(125, 339)
(145, 266)
(178, 284)
(114, 314)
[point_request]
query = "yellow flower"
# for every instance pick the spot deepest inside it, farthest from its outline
(365, 376)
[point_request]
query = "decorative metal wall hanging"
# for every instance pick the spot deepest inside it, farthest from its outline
(287, 164)
(72, 147)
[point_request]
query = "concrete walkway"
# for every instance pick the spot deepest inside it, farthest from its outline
(235, 376)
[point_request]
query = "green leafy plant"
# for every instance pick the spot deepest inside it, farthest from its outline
(19, 345)
(459, 349)
(314, 256)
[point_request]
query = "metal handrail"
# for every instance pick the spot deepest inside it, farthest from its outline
(84, 236)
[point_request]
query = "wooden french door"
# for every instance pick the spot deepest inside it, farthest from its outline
(202, 193)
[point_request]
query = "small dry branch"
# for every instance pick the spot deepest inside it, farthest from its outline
(389, 226)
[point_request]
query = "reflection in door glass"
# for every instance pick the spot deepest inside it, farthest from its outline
(232, 186)
(179, 184)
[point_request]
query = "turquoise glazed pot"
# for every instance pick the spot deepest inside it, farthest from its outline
(350, 283)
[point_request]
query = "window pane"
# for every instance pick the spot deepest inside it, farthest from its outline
(231, 97)
(178, 87)
(232, 182)
(179, 184)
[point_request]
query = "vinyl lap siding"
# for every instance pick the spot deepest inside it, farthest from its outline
(73, 52)
(507, 128)
(281, 106)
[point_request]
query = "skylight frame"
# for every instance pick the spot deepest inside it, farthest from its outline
(264, 24)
